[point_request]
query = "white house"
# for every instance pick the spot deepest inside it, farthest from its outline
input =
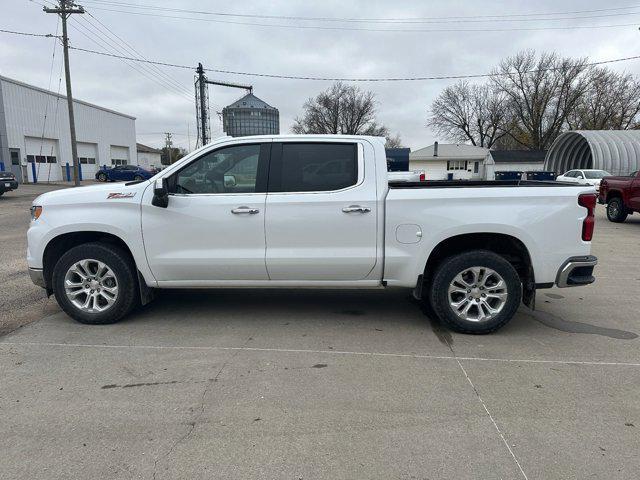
(514, 161)
(450, 161)
(35, 138)
(148, 157)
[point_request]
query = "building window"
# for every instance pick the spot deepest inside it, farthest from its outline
(476, 167)
(457, 165)
(118, 162)
(87, 160)
(52, 159)
(41, 159)
(15, 158)
(30, 158)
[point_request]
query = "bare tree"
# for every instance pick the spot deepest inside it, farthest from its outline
(611, 102)
(393, 142)
(540, 92)
(469, 113)
(343, 109)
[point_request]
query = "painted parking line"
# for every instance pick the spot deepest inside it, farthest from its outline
(327, 352)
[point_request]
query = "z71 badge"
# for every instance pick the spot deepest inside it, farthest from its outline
(121, 195)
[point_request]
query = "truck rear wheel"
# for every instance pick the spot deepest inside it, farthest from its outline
(95, 283)
(476, 292)
(616, 211)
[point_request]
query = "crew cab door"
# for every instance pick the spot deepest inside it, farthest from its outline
(213, 228)
(321, 212)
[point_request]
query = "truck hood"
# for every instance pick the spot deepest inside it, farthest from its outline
(93, 193)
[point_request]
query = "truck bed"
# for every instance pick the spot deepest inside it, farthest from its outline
(481, 183)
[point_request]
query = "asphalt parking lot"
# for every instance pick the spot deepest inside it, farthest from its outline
(279, 384)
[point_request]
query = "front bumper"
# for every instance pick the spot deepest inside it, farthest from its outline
(37, 277)
(577, 271)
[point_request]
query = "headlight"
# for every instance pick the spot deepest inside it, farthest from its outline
(36, 211)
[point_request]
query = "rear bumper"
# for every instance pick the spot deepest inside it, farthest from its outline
(37, 277)
(8, 185)
(577, 271)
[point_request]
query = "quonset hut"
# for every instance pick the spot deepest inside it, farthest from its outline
(616, 151)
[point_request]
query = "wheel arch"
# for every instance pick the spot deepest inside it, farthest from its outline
(614, 194)
(60, 244)
(505, 245)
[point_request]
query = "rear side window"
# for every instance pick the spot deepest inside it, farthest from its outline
(313, 167)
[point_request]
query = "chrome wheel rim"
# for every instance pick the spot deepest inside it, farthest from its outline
(477, 294)
(613, 209)
(91, 286)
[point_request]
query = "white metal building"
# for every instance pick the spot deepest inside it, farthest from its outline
(514, 161)
(450, 161)
(149, 157)
(34, 134)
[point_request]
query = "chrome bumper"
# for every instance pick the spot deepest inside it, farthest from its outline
(577, 271)
(37, 277)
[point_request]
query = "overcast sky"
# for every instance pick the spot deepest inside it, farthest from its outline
(402, 106)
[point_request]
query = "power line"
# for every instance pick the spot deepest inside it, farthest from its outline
(100, 41)
(137, 53)
(436, 19)
(343, 79)
(27, 34)
(367, 29)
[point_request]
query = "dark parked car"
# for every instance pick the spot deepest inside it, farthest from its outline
(8, 182)
(123, 173)
(621, 195)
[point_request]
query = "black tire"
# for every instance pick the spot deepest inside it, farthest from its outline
(120, 264)
(451, 267)
(616, 211)
(102, 177)
(1, 193)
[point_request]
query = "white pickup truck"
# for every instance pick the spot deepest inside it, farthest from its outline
(310, 212)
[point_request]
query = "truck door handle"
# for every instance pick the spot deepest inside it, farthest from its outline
(241, 210)
(356, 208)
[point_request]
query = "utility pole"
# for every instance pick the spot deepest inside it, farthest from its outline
(65, 9)
(168, 143)
(202, 101)
(201, 85)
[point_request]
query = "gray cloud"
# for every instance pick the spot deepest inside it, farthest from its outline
(402, 105)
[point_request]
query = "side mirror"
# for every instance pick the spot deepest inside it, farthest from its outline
(230, 181)
(160, 194)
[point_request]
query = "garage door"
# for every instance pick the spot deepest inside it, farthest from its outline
(43, 154)
(119, 155)
(88, 158)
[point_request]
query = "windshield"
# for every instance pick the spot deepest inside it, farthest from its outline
(596, 174)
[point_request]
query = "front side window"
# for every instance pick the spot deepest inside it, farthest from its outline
(227, 170)
(316, 167)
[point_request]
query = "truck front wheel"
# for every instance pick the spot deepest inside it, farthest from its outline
(616, 211)
(476, 292)
(95, 283)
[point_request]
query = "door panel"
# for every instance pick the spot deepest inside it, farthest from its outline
(197, 237)
(213, 227)
(320, 235)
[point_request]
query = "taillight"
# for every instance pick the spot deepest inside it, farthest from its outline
(588, 201)
(423, 177)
